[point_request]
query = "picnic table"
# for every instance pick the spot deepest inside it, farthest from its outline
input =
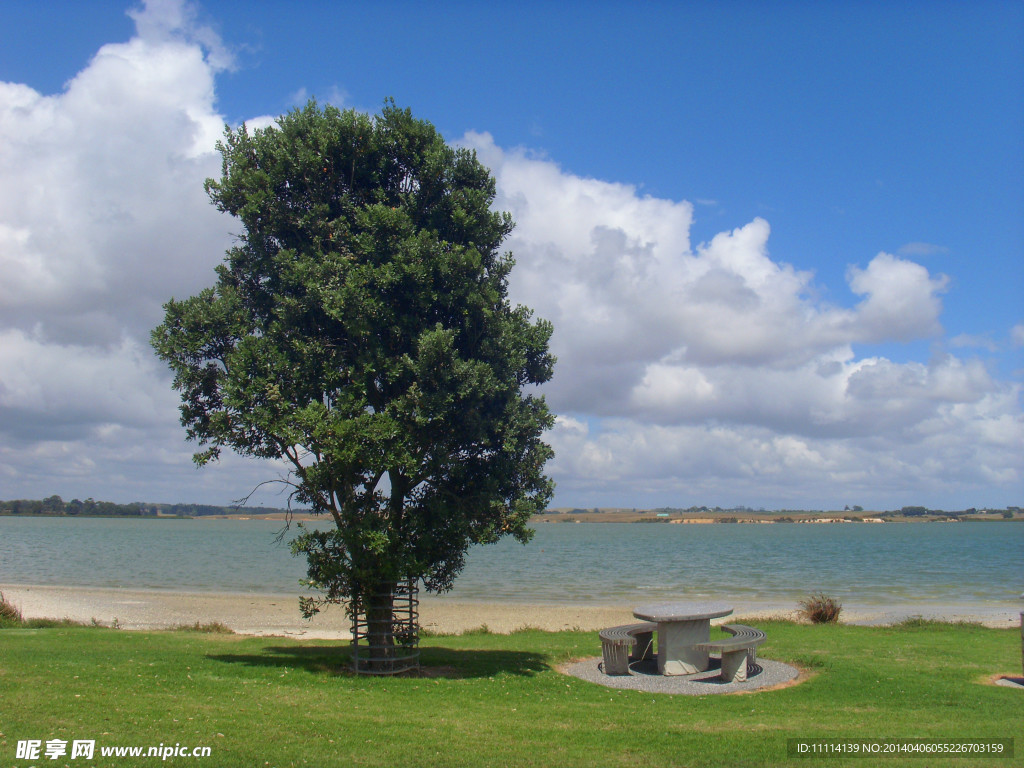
(682, 628)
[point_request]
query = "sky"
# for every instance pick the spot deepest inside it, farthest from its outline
(781, 244)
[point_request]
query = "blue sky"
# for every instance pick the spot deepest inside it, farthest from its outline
(782, 243)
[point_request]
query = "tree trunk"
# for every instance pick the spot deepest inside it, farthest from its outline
(385, 629)
(380, 624)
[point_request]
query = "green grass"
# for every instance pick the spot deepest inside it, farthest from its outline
(495, 700)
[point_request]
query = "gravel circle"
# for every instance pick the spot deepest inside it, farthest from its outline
(1011, 682)
(644, 677)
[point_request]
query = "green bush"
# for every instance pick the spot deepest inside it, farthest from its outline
(9, 613)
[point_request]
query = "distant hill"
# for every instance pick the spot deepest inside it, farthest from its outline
(55, 506)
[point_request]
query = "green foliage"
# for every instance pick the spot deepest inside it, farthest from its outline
(56, 506)
(360, 330)
(821, 609)
(913, 511)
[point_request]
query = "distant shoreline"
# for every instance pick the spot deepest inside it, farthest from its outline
(767, 518)
(644, 517)
(55, 506)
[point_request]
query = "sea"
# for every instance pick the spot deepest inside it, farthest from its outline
(976, 566)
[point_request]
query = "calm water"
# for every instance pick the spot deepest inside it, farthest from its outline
(980, 564)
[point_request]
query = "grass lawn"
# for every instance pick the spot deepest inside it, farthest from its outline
(278, 702)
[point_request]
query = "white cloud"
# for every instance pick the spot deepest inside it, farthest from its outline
(716, 371)
(951, 453)
(966, 340)
(902, 301)
(922, 249)
(72, 391)
(102, 219)
(96, 182)
(617, 276)
(174, 21)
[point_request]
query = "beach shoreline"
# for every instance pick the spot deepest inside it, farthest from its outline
(278, 614)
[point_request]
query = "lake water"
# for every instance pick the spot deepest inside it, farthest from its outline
(977, 564)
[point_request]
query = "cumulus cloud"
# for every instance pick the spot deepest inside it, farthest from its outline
(97, 181)
(942, 456)
(696, 373)
(170, 22)
(102, 219)
(902, 299)
(616, 274)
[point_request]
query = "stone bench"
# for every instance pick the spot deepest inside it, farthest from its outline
(623, 644)
(738, 651)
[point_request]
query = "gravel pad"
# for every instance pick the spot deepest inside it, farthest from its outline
(644, 677)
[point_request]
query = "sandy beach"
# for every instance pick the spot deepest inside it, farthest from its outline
(267, 614)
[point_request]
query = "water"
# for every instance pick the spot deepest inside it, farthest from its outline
(978, 564)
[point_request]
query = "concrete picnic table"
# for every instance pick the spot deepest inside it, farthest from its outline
(680, 627)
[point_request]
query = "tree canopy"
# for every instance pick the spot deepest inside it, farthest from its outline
(360, 330)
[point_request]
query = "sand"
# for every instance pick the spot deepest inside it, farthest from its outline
(266, 614)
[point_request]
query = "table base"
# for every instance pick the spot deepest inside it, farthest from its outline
(676, 654)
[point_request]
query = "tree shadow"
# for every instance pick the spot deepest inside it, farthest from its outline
(434, 662)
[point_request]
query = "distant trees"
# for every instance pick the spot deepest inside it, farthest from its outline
(913, 511)
(54, 506)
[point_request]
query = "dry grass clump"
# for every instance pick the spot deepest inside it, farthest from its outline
(9, 613)
(821, 609)
(213, 628)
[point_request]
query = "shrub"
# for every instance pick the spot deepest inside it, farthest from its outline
(821, 609)
(213, 628)
(9, 613)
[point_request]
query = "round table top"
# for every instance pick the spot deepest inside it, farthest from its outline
(682, 611)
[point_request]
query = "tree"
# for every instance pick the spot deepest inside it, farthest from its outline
(360, 330)
(53, 505)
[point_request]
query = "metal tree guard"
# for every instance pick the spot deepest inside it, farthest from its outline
(388, 659)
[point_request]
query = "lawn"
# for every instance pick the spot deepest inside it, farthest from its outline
(495, 700)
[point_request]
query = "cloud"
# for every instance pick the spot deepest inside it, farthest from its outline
(946, 454)
(691, 374)
(96, 182)
(922, 249)
(102, 219)
(902, 301)
(617, 276)
(173, 22)
(966, 340)
(72, 392)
